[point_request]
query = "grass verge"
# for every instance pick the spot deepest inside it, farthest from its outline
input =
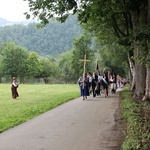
(33, 100)
(137, 116)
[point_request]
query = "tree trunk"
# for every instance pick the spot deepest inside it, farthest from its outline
(132, 71)
(140, 71)
(140, 74)
(147, 90)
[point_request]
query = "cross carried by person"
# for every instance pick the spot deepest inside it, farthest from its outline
(84, 60)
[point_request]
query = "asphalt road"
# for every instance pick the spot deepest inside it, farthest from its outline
(76, 125)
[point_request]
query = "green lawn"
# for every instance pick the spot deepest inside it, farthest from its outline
(33, 100)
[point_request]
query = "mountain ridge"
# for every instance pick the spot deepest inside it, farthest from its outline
(53, 39)
(5, 22)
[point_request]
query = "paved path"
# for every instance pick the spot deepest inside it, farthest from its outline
(76, 125)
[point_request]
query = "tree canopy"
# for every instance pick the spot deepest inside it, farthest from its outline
(14, 60)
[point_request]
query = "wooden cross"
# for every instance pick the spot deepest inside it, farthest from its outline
(84, 60)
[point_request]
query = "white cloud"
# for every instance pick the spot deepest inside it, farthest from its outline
(12, 10)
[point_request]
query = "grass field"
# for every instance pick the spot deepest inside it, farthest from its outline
(33, 100)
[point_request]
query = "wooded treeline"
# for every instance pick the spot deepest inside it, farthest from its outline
(25, 53)
(28, 66)
(53, 39)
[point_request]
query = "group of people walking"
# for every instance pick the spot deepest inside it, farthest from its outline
(89, 83)
(95, 83)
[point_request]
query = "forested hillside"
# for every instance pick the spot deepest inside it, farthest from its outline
(53, 39)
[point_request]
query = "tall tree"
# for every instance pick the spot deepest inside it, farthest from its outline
(82, 46)
(34, 65)
(114, 59)
(65, 62)
(14, 60)
(50, 68)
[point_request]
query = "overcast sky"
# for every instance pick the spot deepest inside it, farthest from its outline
(12, 10)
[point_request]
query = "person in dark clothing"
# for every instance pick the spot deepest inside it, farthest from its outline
(105, 83)
(97, 88)
(14, 87)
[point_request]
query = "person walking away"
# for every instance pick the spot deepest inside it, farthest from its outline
(97, 88)
(90, 82)
(94, 85)
(14, 87)
(84, 86)
(104, 83)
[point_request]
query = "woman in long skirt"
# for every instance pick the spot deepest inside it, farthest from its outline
(84, 86)
(14, 87)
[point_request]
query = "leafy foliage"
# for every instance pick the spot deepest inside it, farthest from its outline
(137, 115)
(44, 10)
(34, 65)
(50, 67)
(65, 65)
(82, 47)
(14, 60)
(114, 59)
